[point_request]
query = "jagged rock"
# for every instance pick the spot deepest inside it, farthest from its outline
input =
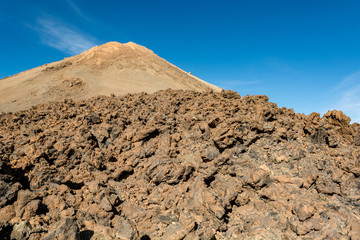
(210, 153)
(26, 205)
(9, 185)
(66, 229)
(178, 165)
(21, 230)
(94, 118)
(8, 193)
(124, 230)
(357, 139)
(304, 211)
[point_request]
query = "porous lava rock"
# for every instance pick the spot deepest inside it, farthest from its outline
(178, 165)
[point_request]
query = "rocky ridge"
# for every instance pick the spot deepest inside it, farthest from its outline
(178, 165)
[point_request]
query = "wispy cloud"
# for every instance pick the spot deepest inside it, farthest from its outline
(349, 101)
(63, 37)
(348, 81)
(78, 10)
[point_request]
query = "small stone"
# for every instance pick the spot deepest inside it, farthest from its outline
(259, 178)
(243, 198)
(124, 230)
(281, 159)
(145, 134)
(24, 197)
(168, 219)
(333, 141)
(304, 211)
(94, 118)
(7, 191)
(93, 186)
(30, 209)
(21, 230)
(63, 189)
(66, 229)
(210, 153)
(106, 205)
(327, 186)
(6, 213)
(67, 212)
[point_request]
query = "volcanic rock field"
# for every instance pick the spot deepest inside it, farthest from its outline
(175, 165)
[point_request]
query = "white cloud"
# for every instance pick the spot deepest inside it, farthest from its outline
(349, 90)
(349, 81)
(77, 10)
(64, 38)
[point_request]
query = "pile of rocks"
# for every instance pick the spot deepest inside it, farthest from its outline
(178, 165)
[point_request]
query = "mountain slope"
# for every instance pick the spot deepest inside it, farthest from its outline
(112, 68)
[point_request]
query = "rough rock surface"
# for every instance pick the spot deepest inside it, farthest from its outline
(178, 165)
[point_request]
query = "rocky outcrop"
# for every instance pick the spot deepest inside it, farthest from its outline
(178, 165)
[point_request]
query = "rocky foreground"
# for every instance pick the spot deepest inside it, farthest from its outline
(178, 165)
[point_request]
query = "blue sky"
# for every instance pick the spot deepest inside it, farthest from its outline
(302, 54)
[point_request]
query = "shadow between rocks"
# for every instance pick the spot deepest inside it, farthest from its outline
(86, 234)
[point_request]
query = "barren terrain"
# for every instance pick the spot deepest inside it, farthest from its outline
(112, 68)
(178, 164)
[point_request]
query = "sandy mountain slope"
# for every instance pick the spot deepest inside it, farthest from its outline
(110, 68)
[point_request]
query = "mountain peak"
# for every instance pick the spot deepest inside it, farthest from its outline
(111, 68)
(115, 46)
(112, 50)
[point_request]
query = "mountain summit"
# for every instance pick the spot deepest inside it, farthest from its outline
(112, 68)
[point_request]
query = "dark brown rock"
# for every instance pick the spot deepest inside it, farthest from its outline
(178, 165)
(66, 229)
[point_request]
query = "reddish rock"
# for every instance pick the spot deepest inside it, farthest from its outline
(178, 165)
